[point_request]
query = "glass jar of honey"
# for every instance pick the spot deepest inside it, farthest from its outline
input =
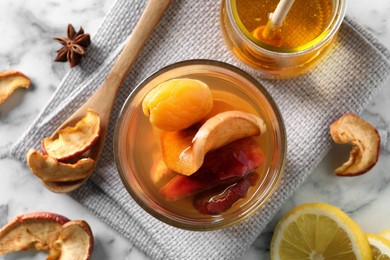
(307, 31)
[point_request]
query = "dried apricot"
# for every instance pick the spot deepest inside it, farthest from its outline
(177, 103)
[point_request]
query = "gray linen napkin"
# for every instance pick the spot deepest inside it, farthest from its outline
(344, 81)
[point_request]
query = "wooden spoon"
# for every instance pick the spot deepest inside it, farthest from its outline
(102, 100)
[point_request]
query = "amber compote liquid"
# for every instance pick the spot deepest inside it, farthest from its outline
(305, 21)
(139, 148)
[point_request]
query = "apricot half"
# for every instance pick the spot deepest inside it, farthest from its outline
(177, 103)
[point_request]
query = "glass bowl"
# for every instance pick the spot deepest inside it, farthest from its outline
(136, 145)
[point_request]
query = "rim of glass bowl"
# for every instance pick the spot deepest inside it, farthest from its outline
(173, 220)
(328, 33)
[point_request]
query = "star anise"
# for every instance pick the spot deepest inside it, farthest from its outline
(74, 46)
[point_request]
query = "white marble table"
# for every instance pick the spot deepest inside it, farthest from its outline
(26, 31)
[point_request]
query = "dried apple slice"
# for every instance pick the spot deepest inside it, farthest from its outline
(10, 81)
(75, 241)
(365, 141)
(184, 151)
(73, 141)
(49, 169)
(31, 231)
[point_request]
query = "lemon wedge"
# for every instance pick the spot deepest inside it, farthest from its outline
(380, 247)
(385, 234)
(319, 231)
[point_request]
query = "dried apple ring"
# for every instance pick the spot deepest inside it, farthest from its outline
(10, 81)
(63, 238)
(48, 169)
(365, 140)
(184, 151)
(31, 231)
(75, 241)
(73, 141)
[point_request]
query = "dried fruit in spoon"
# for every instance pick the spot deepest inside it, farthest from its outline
(10, 81)
(73, 141)
(177, 104)
(69, 143)
(215, 202)
(64, 239)
(365, 141)
(75, 241)
(48, 169)
(223, 166)
(184, 151)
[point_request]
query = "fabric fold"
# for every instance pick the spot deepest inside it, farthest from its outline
(344, 81)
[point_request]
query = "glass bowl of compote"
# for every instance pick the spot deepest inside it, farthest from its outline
(200, 145)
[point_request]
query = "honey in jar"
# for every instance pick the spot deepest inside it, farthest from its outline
(306, 32)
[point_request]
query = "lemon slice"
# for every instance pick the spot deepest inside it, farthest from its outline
(318, 231)
(380, 247)
(385, 234)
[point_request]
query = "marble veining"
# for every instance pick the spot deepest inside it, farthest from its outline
(26, 32)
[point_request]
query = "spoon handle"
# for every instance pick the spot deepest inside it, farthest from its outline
(106, 93)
